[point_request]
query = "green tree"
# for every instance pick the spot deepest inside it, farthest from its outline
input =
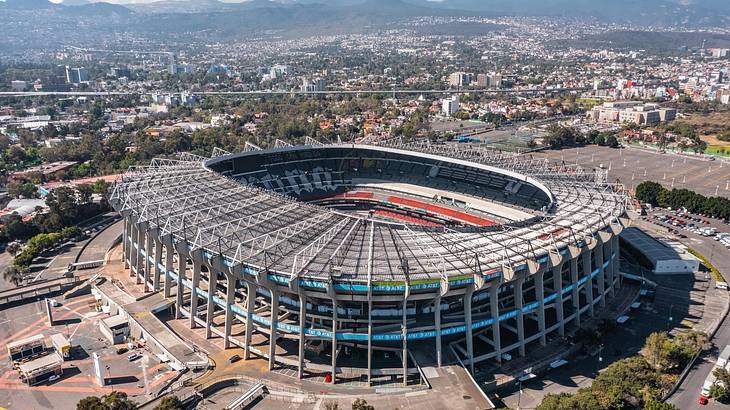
(22, 189)
(170, 402)
(659, 405)
(112, 401)
(361, 404)
(649, 192)
(653, 349)
(13, 274)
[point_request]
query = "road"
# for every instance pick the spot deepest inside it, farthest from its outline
(275, 92)
(688, 393)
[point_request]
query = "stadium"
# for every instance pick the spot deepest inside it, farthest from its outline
(363, 260)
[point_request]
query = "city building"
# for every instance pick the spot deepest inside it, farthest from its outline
(459, 79)
(312, 86)
(76, 75)
(636, 112)
(450, 105)
(18, 85)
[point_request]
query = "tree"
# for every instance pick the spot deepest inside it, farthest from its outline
(659, 405)
(13, 274)
(722, 390)
(612, 142)
(112, 401)
(170, 402)
(361, 404)
(331, 405)
(13, 248)
(653, 348)
(63, 202)
(22, 189)
(649, 192)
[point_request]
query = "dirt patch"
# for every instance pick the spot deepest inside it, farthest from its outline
(712, 140)
(708, 124)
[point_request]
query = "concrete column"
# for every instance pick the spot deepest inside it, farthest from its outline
(134, 251)
(576, 291)
(272, 327)
(169, 252)
(616, 263)
(588, 286)
(158, 261)
(302, 336)
(140, 258)
(230, 300)
(250, 305)
(558, 286)
(437, 321)
(125, 243)
(194, 294)
(370, 341)
(469, 331)
(494, 311)
(540, 296)
(609, 270)
(212, 289)
(181, 268)
(334, 341)
(519, 302)
(601, 275)
(404, 335)
(147, 262)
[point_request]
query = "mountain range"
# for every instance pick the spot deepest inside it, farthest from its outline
(312, 17)
(607, 10)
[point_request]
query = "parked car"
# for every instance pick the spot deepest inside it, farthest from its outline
(234, 358)
(132, 357)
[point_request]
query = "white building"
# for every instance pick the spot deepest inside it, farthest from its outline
(450, 105)
(18, 85)
(620, 112)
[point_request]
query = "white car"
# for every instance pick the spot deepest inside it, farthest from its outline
(54, 378)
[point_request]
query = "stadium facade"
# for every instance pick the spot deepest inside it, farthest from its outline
(453, 250)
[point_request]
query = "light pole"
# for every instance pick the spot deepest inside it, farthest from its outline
(670, 314)
(519, 394)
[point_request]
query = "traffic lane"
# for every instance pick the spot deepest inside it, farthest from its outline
(688, 392)
(99, 245)
(5, 260)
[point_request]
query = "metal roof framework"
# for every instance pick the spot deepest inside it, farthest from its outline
(259, 228)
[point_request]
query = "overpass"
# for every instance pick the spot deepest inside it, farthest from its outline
(533, 91)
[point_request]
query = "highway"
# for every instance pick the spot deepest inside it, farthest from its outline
(290, 93)
(688, 393)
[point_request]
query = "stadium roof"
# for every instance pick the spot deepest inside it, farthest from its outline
(259, 229)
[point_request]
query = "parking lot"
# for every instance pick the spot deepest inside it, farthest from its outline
(631, 166)
(78, 320)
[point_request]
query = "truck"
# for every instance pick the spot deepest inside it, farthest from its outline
(708, 231)
(722, 362)
(724, 357)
